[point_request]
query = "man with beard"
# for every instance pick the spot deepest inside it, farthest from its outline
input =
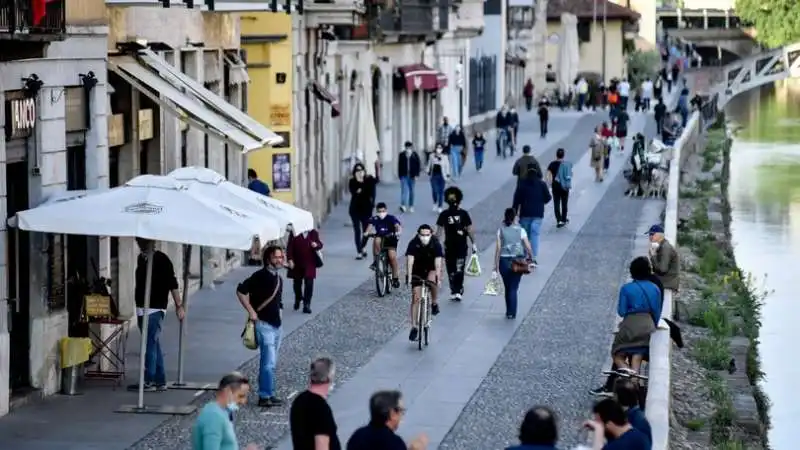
(612, 430)
(457, 226)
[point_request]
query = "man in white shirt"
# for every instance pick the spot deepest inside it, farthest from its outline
(647, 94)
(582, 87)
(624, 89)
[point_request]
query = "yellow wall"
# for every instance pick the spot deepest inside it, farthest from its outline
(263, 91)
(591, 53)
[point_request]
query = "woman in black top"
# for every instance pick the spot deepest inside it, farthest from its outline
(362, 200)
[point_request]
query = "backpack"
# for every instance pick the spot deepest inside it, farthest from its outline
(564, 175)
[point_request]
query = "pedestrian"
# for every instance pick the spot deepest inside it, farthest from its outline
(386, 411)
(409, 167)
(658, 88)
(539, 430)
(527, 92)
(303, 258)
(501, 124)
(628, 395)
(544, 116)
(163, 285)
(624, 90)
(676, 73)
(443, 134)
(610, 422)
(213, 429)
(621, 129)
(602, 92)
(439, 172)
(261, 295)
(559, 174)
(670, 79)
(362, 200)
(659, 113)
(597, 147)
(513, 119)
(255, 184)
(663, 258)
(683, 106)
(583, 92)
(647, 94)
(526, 166)
(530, 196)
(311, 420)
(457, 143)
(456, 225)
(511, 246)
(478, 147)
(608, 135)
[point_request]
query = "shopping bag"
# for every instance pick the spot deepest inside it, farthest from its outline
(473, 266)
(249, 335)
(492, 286)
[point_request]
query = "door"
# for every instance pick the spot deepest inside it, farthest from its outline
(18, 276)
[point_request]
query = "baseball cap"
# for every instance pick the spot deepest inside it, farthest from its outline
(655, 229)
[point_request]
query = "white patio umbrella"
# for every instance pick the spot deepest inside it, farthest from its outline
(568, 52)
(156, 208)
(209, 184)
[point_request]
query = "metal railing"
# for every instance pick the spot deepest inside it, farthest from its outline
(28, 17)
(414, 16)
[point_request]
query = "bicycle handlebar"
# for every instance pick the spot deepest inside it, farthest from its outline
(424, 280)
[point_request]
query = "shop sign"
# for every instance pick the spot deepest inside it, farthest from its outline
(280, 115)
(116, 130)
(20, 117)
(145, 124)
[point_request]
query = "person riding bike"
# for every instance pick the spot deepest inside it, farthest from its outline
(385, 228)
(424, 257)
(457, 226)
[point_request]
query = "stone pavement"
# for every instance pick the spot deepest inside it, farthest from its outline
(479, 365)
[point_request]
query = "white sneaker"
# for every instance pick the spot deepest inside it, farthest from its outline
(457, 297)
(439, 209)
(402, 208)
(411, 209)
(435, 208)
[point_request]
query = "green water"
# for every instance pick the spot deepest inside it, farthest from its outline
(765, 196)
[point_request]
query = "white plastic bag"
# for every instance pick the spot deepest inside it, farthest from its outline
(473, 268)
(493, 286)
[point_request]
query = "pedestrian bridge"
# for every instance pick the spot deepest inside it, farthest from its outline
(758, 70)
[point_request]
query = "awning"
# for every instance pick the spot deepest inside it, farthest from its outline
(237, 69)
(176, 92)
(326, 96)
(422, 77)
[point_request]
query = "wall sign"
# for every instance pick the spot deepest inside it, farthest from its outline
(280, 115)
(145, 124)
(20, 117)
(116, 130)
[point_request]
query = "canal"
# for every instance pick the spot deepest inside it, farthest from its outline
(765, 196)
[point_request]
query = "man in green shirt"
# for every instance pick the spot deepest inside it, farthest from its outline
(213, 429)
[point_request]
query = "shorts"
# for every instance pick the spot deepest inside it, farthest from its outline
(622, 133)
(418, 283)
(389, 242)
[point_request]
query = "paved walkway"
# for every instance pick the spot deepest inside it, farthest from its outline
(468, 390)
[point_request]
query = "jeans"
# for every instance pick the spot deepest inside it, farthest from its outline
(154, 372)
(269, 342)
(455, 160)
(581, 101)
(359, 226)
(437, 189)
(455, 260)
(479, 158)
(607, 159)
(511, 281)
(623, 103)
(532, 226)
(303, 291)
(560, 200)
(407, 191)
(543, 126)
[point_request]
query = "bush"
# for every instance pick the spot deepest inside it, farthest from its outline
(712, 353)
(641, 65)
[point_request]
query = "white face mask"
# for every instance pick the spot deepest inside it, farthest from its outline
(382, 215)
(654, 245)
(438, 150)
(425, 239)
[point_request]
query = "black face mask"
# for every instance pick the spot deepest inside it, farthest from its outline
(452, 205)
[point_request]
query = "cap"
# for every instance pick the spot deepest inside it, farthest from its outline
(655, 229)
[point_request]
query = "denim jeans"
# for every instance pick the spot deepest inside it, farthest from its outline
(269, 342)
(437, 189)
(532, 226)
(479, 158)
(407, 191)
(359, 225)
(511, 281)
(455, 160)
(154, 372)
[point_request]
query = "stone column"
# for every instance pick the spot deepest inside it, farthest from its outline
(170, 151)
(128, 168)
(537, 66)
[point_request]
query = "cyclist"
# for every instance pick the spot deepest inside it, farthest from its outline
(457, 226)
(424, 260)
(385, 228)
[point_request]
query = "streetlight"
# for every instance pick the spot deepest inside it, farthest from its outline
(594, 29)
(460, 85)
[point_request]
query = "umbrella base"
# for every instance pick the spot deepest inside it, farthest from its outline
(193, 386)
(182, 410)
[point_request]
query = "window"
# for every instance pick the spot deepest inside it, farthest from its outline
(56, 275)
(584, 31)
(184, 148)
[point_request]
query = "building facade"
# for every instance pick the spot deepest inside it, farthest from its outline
(486, 69)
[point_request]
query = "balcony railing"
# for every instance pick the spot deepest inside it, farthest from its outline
(33, 18)
(413, 17)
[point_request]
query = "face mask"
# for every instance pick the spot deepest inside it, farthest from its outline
(654, 245)
(232, 406)
(382, 215)
(425, 239)
(359, 173)
(438, 151)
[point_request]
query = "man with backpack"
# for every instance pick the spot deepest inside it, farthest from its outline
(559, 174)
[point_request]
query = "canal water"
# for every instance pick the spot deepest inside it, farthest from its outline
(765, 196)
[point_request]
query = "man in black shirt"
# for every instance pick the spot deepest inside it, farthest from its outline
(261, 296)
(385, 413)
(660, 112)
(163, 284)
(310, 418)
(424, 260)
(457, 226)
(621, 121)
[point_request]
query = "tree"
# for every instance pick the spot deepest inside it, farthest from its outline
(777, 22)
(642, 65)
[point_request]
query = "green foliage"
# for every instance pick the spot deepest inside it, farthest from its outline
(712, 353)
(699, 219)
(777, 21)
(716, 142)
(642, 65)
(696, 424)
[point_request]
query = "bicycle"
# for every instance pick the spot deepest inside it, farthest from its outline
(425, 311)
(381, 266)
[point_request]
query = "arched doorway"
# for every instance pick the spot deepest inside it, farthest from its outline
(377, 105)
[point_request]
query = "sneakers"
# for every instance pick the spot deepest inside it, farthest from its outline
(306, 309)
(560, 224)
(600, 392)
(411, 209)
(402, 209)
(435, 309)
(149, 387)
(297, 305)
(455, 297)
(270, 402)
(439, 209)
(396, 283)
(360, 256)
(435, 208)
(414, 334)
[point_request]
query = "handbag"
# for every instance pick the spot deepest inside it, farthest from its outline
(520, 265)
(318, 260)
(249, 333)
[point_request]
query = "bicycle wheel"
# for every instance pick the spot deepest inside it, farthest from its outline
(428, 321)
(423, 308)
(388, 278)
(380, 277)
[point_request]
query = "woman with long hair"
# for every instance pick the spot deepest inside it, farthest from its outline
(362, 201)
(511, 246)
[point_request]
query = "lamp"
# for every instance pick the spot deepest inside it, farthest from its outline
(89, 81)
(31, 85)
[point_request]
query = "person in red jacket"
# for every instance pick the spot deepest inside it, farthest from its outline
(607, 133)
(303, 259)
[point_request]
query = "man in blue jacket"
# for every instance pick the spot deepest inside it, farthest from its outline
(529, 199)
(408, 169)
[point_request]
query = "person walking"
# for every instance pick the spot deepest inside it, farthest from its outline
(513, 122)
(559, 175)
(659, 113)
(607, 133)
(456, 144)
(526, 166)
(443, 134)
(456, 225)
(409, 167)
(621, 129)
(303, 259)
(530, 196)
(311, 422)
(647, 94)
(544, 116)
(255, 184)
(479, 147)
(658, 88)
(583, 93)
(511, 245)
(386, 411)
(502, 123)
(362, 201)
(664, 258)
(261, 295)
(527, 92)
(164, 285)
(213, 429)
(438, 172)
(624, 90)
(597, 147)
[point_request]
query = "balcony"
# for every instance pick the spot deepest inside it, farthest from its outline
(33, 20)
(319, 13)
(469, 20)
(397, 20)
(520, 17)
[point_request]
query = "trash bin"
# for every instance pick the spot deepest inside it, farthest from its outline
(70, 379)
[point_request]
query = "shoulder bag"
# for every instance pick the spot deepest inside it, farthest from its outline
(249, 333)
